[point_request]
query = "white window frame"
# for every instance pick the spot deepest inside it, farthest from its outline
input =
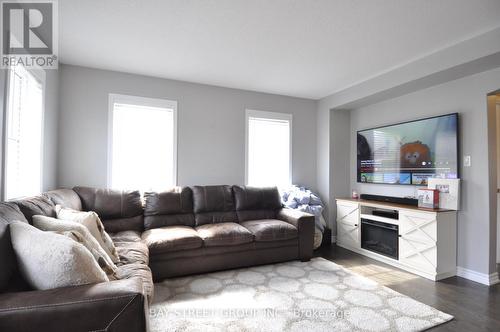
(251, 113)
(140, 101)
(38, 74)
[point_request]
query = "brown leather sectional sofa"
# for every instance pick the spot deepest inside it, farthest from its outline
(191, 230)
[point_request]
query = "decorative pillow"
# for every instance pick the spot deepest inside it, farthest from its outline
(48, 260)
(80, 234)
(90, 220)
(110, 270)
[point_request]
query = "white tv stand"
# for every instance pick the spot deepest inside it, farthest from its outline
(427, 237)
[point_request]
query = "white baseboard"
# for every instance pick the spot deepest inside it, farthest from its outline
(482, 278)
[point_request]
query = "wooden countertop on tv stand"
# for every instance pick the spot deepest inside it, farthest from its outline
(392, 205)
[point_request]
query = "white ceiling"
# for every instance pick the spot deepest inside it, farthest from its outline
(303, 48)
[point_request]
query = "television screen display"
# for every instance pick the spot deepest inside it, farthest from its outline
(410, 152)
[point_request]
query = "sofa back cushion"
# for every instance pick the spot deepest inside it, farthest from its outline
(9, 212)
(213, 204)
(36, 205)
(67, 198)
(169, 208)
(119, 210)
(253, 203)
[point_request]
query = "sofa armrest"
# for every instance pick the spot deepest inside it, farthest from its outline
(305, 226)
(111, 306)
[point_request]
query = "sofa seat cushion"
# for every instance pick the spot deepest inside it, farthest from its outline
(224, 234)
(247, 215)
(140, 271)
(132, 252)
(126, 236)
(171, 238)
(270, 230)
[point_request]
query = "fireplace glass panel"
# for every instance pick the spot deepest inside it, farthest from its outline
(379, 237)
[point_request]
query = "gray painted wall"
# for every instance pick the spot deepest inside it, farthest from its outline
(333, 158)
(211, 127)
(498, 175)
(50, 129)
(51, 135)
(323, 156)
(476, 247)
(340, 185)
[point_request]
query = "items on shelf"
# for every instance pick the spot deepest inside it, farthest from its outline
(428, 198)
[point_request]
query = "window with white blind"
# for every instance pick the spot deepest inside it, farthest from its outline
(23, 133)
(268, 148)
(142, 143)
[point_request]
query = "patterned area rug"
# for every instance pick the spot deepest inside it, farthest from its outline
(318, 295)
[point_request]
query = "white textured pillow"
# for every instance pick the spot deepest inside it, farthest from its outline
(80, 234)
(48, 260)
(90, 220)
(78, 237)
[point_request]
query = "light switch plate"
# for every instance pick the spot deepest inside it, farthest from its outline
(467, 161)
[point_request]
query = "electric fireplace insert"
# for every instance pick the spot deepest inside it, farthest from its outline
(380, 237)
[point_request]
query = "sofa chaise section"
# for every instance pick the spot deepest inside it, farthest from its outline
(119, 305)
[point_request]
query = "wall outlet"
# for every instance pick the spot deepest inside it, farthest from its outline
(467, 161)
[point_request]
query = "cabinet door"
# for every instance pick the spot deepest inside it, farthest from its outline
(417, 240)
(348, 212)
(348, 224)
(348, 234)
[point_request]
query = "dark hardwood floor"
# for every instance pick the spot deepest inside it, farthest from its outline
(476, 307)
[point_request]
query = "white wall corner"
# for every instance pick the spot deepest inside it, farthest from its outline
(482, 278)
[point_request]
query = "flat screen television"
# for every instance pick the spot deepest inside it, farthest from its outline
(409, 153)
